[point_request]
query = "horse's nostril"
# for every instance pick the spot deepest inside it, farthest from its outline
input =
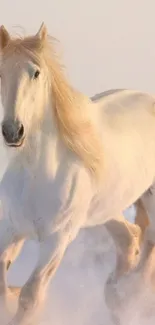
(21, 131)
(3, 131)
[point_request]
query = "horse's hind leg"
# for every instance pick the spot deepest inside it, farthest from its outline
(126, 237)
(141, 218)
(146, 265)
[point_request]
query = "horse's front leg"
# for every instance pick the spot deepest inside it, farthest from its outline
(53, 248)
(12, 254)
(7, 239)
(33, 293)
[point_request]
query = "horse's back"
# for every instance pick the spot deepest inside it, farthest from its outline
(127, 96)
(123, 107)
(105, 93)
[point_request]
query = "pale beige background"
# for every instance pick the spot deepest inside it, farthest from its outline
(106, 43)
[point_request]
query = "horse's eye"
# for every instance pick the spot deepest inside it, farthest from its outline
(36, 74)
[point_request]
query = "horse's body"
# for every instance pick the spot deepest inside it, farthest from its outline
(127, 123)
(127, 127)
(77, 170)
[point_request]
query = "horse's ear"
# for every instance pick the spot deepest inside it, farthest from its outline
(4, 37)
(42, 33)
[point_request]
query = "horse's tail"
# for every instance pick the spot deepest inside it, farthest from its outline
(141, 218)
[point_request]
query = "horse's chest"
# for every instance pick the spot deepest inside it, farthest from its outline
(33, 204)
(41, 200)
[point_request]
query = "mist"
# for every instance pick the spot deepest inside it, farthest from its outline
(76, 293)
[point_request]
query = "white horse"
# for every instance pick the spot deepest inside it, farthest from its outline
(77, 163)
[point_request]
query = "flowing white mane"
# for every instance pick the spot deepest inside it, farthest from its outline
(71, 108)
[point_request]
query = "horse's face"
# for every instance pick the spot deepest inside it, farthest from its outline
(24, 86)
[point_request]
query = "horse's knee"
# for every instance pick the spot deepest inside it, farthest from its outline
(15, 250)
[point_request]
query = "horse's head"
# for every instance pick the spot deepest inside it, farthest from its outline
(32, 80)
(24, 84)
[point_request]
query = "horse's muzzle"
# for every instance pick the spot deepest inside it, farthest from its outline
(13, 133)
